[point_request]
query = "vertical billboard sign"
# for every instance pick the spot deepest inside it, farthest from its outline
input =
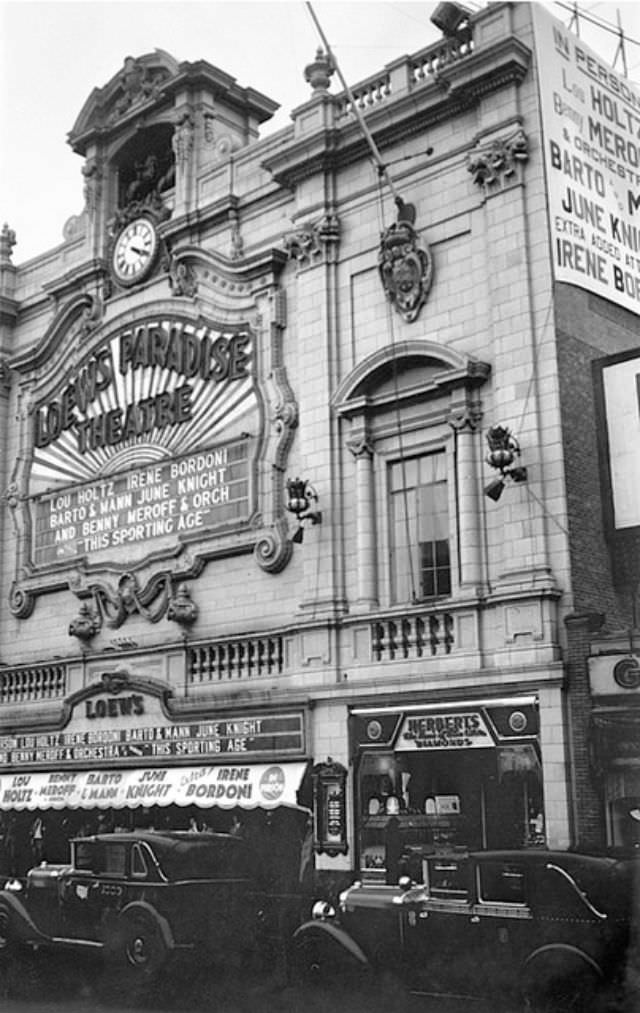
(591, 129)
(621, 389)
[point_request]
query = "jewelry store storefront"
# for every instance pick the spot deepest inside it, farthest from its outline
(437, 777)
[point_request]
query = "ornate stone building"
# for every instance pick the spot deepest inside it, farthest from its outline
(296, 503)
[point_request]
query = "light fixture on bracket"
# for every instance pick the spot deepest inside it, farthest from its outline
(300, 496)
(504, 449)
(450, 18)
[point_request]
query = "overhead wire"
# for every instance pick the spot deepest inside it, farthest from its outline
(383, 177)
(375, 154)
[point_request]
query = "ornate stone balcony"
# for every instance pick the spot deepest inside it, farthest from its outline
(33, 683)
(404, 75)
(240, 659)
(412, 636)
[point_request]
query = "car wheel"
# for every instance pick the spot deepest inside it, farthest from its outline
(322, 965)
(562, 989)
(5, 932)
(142, 946)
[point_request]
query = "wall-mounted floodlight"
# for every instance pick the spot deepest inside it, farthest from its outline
(300, 496)
(504, 449)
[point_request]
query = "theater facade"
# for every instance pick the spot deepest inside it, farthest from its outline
(305, 463)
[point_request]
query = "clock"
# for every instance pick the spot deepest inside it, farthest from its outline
(134, 251)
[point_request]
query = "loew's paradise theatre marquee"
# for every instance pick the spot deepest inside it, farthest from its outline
(147, 395)
(112, 725)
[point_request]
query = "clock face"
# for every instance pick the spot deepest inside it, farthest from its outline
(134, 251)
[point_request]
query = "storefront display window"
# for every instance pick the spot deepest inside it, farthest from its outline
(452, 780)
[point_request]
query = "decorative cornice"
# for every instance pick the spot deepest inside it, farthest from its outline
(153, 80)
(193, 270)
(83, 314)
(429, 100)
(447, 370)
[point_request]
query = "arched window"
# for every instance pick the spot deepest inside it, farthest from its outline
(411, 412)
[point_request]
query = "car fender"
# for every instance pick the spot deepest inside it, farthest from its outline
(565, 950)
(336, 934)
(162, 923)
(25, 927)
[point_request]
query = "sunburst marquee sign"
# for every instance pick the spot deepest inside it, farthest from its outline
(149, 439)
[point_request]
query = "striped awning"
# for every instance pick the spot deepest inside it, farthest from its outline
(250, 786)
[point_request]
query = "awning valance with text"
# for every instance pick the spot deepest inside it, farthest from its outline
(247, 785)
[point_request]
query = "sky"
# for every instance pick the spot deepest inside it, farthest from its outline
(54, 52)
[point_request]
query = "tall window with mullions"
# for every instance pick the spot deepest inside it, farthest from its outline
(419, 537)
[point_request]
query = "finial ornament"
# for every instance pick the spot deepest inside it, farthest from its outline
(318, 74)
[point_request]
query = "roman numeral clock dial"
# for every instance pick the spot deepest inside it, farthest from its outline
(134, 251)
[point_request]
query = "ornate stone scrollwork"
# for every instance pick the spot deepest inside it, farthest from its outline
(91, 315)
(406, 269)
(115, 606)
(75, 227)
(86, 624)
(308, 242)
(138, 83)
(494, 162)
(21, 601)
(302, 245)
(181, 609)
(273, 549)
(285, 414)
(13, 495)
(465, 417)
(182, 279)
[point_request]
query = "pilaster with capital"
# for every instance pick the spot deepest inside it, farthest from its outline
(464, 421)
(366, 542)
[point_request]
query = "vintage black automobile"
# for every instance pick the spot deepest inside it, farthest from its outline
(142, 898)
(539, 929)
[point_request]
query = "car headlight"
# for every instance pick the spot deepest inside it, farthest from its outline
(322, 910)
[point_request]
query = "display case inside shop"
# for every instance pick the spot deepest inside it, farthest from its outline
(392, 802)
(438, 802)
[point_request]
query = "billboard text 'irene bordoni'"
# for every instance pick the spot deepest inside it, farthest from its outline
(591, 127)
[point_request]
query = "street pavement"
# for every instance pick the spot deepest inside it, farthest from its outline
(44, 984)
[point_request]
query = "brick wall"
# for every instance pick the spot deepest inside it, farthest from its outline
(588, 816)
